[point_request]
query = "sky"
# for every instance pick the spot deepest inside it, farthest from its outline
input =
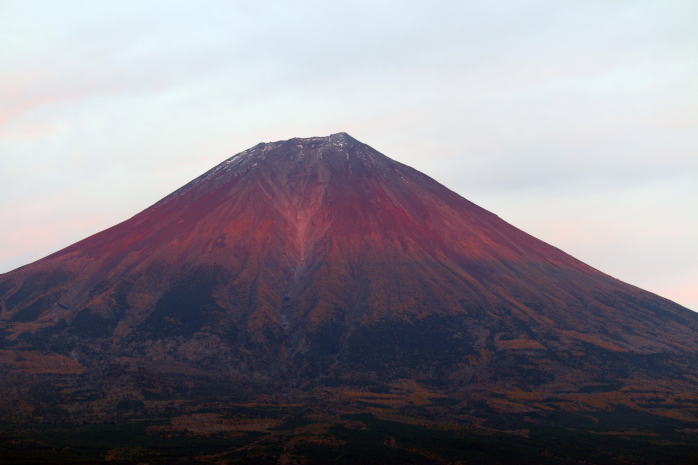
(575, 121)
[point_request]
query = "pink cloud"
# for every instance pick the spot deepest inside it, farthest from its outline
(684, 293)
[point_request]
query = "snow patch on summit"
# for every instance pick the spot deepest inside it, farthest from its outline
(310, 148)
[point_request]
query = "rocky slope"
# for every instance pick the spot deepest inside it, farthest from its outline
(313, 268)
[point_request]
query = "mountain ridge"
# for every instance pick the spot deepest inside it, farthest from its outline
(317, 260)
(301, 199)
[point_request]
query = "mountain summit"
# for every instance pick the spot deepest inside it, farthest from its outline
(299, 265)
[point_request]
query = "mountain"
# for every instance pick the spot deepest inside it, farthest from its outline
(320, 272)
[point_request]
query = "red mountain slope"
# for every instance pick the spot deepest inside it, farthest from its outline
(308, 260)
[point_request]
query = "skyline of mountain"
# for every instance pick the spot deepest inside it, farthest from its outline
(320, 279)
(585, 141)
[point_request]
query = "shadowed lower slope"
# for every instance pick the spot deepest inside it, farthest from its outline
(318, 265)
